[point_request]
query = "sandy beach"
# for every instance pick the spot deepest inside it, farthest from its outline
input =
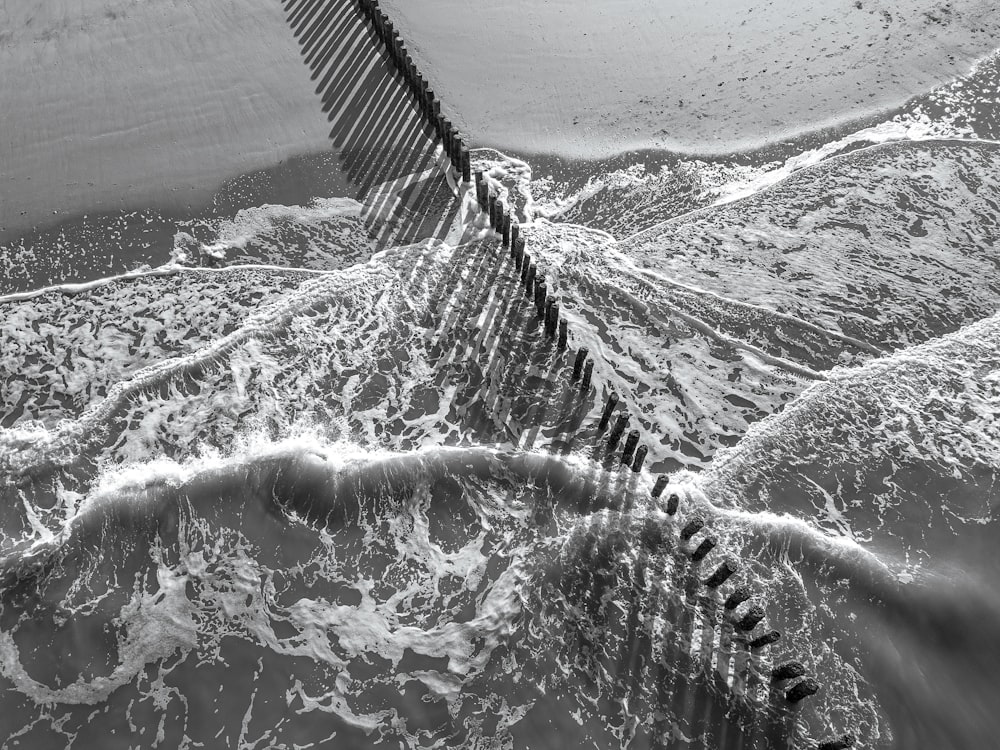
(111, 106)
(596, 78)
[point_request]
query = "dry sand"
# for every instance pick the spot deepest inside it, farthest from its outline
(594, 78)
(121, 104)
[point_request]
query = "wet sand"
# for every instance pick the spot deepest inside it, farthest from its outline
(111, 106)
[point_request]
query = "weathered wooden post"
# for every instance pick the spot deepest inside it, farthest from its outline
(721, 574)
(518, 252)
(515, 235)
(466, 165)
(672, 503)
(659, 486)
(525, 267)
(480, 185)
(640, 457)
(802, 690)
(788, 670)
(551, 317)
(540, 296)
(630, 443)
(529, 282)
(706, 546)
(738, 595)
(751, 618)
(692, 527)
(505, 229)
(609, 408)
(617, 430)
(563, 334)
(581, 357)
(843, 742)
(588, 373)
(492, 206)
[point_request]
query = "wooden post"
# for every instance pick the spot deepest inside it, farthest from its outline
(563, 334)
(617, 430)
(706, 546)
(721, 574)
(640, 457)
(802, 690)
(588, 372)
(661, 484)
(692, 527)
(551, 317)
(630, 443)
(505, 229)
(581, 357)
(672, 503)
(609, 408)
(466, 165)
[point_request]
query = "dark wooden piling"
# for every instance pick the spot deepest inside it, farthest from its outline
(492, 208)
(660, 485)
(706, 546)
(466, 165)
(525, 267)
(505, 229)
(739, 595)
(640, 458)
(843, 742)
(551, 317)
(515, 233)
(480, 187)
(788, 670)
(692, 527)
(672, 504)
(802, 690)
(518, 252)
(630, 443)
(721, 574)
(617, 430)
(541, 292)
(752, 618)
(529, 281)
(609, 408)
(581, 357)
(563, 334)
(588, 373)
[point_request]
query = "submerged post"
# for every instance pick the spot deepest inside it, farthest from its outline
(672, 504)
(563, 334)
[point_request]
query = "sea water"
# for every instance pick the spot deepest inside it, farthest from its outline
(281, 485)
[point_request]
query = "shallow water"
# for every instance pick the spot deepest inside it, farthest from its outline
(293, 474)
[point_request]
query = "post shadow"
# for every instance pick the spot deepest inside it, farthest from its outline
(378, 128)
